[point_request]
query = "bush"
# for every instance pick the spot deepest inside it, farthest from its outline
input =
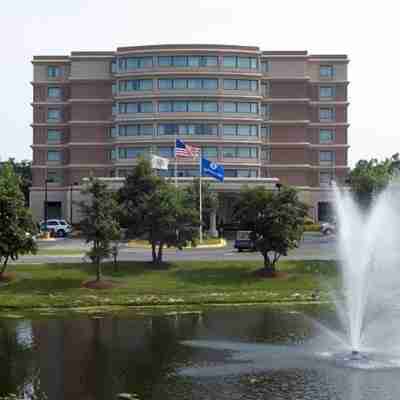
(308, 221)
(312, 227)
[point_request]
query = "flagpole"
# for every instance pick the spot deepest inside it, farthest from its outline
(176, 163)
(200, 199)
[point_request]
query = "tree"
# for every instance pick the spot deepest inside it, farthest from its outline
(17, 228)
(275, 219)
(100, 224)
(209, 199)
(369, 177)
(155, 210)
(23, 170)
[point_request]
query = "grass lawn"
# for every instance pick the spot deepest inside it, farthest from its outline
(183, 283)
(60, 252)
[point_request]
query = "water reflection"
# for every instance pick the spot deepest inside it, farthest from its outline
(96, 358)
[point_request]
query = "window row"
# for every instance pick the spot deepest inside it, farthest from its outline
(327, 92)
(187, 106)
(192, 61)
(327, 114)
(168, 151)
(187, 129)
(326, 71)
(193, 172)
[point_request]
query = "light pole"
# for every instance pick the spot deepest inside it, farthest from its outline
(70, 198)
(45, 203)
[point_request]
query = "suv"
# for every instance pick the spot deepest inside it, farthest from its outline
(328, 228)
(59, 227)
(244, 242)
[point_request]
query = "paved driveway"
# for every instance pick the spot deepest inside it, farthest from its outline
(313, 247)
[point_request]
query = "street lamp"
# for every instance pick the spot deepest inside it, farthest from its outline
(45, 202)
(278, 186)
(70, 197)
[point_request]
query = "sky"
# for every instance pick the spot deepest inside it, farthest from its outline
(364, 30)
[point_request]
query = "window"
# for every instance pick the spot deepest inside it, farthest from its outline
(240, 107)
(326, 91)
(114, 67)
(326, 156)
(145, 107)
(210, 106)
(326, 114)
(164, 61)
(136, 84)
(325, 178)
(240, 152)
(265, 89)
(240, 84)
(53, 115)
(187, 106)
(265, 67)
(53, 136)
(195, 106)
(54, 92)
(188, 129)
(240, 173)
(114, 108)
(53, 71)
(165, 83)
(114, 88)
(53, 155)
(135, 130)
(113, 154)
(113, 132)
(187, 61)
(326, 135)
(266, 111)
(240, 62)
(326, 71)
(229, 107)
(167, 152)
(229, 62)
(240, 130)
(266, 155)
(131, 152)
(193, 84)
(210, 152)
(266, 132)
(132, 63)
(54, 176)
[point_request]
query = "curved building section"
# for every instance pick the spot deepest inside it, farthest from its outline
(262, 115)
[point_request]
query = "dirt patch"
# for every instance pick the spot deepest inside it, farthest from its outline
(7, 277)
(263, 273)
(102, 284)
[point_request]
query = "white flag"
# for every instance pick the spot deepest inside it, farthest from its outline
(158, 162)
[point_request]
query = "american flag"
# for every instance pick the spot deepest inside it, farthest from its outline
(184, 150)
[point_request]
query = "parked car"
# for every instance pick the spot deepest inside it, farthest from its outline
(243, 241)
(58, 227)
(328, 228)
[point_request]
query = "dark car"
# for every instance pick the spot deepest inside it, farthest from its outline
(244, 242)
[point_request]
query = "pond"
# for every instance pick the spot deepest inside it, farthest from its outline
(179, 355)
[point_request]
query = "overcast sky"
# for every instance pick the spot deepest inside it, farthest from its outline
(368, 31)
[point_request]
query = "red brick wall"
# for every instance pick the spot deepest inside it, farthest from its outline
(289, 112)
(88, 155)
(294, 178)
(286, 134)
(288, 89)
(91, 112)
(281, 155)
(87, 134)
(98, 90)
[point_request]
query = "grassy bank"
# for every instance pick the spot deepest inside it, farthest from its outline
(136, 283)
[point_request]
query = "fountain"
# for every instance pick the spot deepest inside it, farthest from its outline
(367, 301)
(369, 250)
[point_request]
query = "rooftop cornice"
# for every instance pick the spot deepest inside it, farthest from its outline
(192, 46)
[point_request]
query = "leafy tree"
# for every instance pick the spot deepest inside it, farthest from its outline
(209, 198)
(370, 177)
(100, 224)
(157, 211)
(17, 228)
(275, 219)
(23, 169)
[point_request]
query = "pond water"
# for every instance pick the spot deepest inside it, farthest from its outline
(236, 353)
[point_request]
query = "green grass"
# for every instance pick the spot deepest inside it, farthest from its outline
(60, 252)
(183, 283)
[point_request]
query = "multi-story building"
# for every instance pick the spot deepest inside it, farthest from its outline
(261, 114)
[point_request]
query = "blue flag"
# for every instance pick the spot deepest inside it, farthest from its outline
(214, 170)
